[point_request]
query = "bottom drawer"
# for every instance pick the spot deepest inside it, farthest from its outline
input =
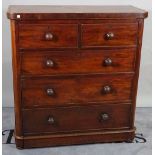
(76, 118)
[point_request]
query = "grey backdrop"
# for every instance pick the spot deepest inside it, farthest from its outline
(144, 98)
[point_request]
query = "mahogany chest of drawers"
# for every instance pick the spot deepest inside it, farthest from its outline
(75, 73)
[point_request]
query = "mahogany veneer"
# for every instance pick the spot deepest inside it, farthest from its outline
(75, 72)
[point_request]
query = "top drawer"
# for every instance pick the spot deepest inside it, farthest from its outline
(48, 36)
(109, 34)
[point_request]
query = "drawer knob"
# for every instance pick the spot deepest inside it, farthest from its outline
(108, 62)
(50, 63)
(109, 35)
(51, 120)
(106, 89)
(104, 116)
(48, 36)
(50, 92)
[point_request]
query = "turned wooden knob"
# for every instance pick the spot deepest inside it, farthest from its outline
(106, 89)
(104, 116)
(48, 36)
(108, 62)
(109, 35)
(50, 120)
(50, 92)
(50, 63)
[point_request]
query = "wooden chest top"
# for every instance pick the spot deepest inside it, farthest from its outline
(73, 12)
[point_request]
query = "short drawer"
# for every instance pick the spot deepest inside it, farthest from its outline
(76, 118)
(48, 36)
(109, 34)
(104, 61)
(42, 92)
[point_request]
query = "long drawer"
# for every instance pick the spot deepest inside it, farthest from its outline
(77, 89)
(87, 61)
(76, 118)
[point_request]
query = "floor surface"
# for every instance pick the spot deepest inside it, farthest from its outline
(143, 124)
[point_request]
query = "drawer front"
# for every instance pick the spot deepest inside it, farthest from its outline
(106, 61)
(109, 34)
(76, 118)
(48, 36)
(77, 89)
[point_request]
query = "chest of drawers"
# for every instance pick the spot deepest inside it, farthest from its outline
(75, 73)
